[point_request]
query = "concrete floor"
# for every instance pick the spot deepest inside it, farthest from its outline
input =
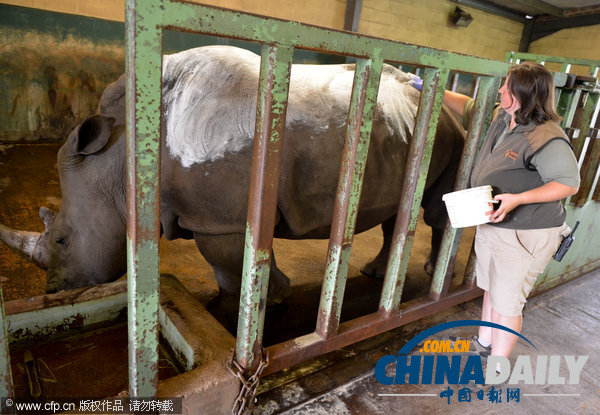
(562, 321)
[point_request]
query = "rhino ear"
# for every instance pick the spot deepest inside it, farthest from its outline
(48, 217)
(93, 134)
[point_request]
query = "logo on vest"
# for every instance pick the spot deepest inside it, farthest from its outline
(510, 153)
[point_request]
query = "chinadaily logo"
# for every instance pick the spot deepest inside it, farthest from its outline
(424, 360)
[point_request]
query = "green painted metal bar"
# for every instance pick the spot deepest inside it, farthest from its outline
(146, 20)
(415, 175)
(482, 112)
(592, 64)
(291, 352)
(143, 95)
(585, 123)
(567, 106)
(180, 15)
(591, 160)
(358, 134)
(276, 61)
(6, 385)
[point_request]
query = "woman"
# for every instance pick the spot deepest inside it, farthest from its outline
(527, 159)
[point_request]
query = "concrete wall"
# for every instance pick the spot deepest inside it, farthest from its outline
(425, 22)
(57, 58)
(329, 13)
(59, 55)
(53, 69)
(579, 42)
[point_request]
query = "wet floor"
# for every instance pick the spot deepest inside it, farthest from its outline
(562, 321)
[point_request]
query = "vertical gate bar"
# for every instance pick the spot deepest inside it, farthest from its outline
(592, 154)
(275, 67)
(482, 112)
(6, 388)
(595, 135)
(358, 134)
(143, 97)
(584, 123)
(567, 105)
(413, 183)
(470, 275)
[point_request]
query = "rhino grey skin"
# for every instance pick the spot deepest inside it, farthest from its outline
(209, 95)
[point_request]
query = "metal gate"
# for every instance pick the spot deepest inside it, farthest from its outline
(578, 104)
(145, 22)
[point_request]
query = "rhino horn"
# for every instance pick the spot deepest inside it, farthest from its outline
(32, 245)
(20, 241)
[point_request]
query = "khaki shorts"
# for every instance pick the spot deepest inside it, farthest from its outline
(509, 261)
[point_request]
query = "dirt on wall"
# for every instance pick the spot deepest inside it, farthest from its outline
(51, 84)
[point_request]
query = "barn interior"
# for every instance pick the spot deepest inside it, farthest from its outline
(59, 56)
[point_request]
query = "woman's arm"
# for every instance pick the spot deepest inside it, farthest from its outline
(456, 101)
(548, 192)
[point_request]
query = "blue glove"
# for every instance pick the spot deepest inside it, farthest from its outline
(416, 82)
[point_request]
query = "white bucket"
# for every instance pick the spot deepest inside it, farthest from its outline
(468, 207)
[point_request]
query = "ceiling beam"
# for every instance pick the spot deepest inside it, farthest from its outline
(542, 29)
(492, 8)
(352, 19)
(542, 7)
(526, 35)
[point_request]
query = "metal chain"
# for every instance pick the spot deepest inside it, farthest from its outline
(244, 403)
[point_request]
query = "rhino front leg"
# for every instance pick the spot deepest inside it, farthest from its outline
(376, 268)
(225, 254)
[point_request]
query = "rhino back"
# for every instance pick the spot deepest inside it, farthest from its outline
(209, 111)
(209, 101)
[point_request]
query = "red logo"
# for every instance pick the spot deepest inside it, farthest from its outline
(510, 153)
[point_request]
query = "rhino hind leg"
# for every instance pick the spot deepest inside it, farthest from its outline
(376, 268)
(434, 208)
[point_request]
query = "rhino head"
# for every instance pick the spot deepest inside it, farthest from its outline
(85, 243)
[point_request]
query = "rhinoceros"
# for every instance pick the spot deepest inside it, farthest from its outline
(208, 117)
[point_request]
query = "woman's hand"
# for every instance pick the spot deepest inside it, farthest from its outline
(549, 192)
(509, 201)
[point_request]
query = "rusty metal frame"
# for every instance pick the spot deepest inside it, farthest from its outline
(145, 22)
(6, 385)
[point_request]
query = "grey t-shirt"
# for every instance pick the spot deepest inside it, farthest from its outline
(561, 169)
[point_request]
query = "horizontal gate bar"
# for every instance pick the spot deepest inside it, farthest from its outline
(413, 183)
(143, 98)
(192, 17)
(275, 67)
(298, 350)
(482, 112)
(354, 158)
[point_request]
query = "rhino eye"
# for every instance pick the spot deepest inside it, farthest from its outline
(61, 241)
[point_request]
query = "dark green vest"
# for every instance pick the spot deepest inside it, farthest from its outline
(506, 167)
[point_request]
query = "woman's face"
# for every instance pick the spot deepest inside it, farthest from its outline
(508, 102)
